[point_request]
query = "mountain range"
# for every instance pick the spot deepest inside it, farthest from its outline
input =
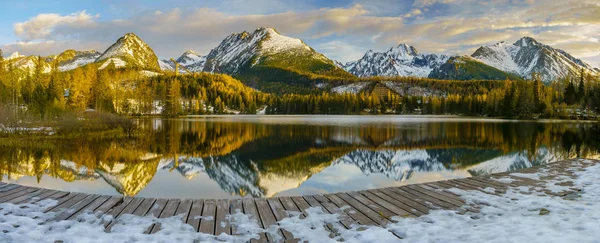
(265, 54)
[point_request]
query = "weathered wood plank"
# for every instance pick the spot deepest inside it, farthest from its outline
(67, 201)
(195, 214)
(109, 204)
(75, 207)
(144, 207)
(402, 198)
(184, 209)
(168, 211)
(279, 213)
(266, 216)
(395, 202)
(357, 215)
(236, 207)
(250, 208)
(396, 211)
(90, 207)
(433, 198)
(28, 196)
(27, 190)
(157, 207)
(125, 208)
(209, 213)
(221, 222)
(356, 205)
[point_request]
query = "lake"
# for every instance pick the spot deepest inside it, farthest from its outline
(266, 156)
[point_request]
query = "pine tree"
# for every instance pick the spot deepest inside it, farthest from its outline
(570, 95)
(581, 88)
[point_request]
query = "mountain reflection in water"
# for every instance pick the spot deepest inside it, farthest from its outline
(265, 156)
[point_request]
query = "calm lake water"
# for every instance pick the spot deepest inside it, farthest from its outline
(266, 156)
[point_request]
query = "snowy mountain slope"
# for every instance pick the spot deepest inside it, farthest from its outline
(28, 63)
(192, 61)
(71, 59)
(527, 56)
(166, 65)
(402, 60)
(131, 51)
(469, 68)
(265, 47)
(14, 55)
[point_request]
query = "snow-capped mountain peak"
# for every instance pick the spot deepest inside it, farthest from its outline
(527, 56)
(15, 55)
(401, 60)
(239, 49)
(130, 50)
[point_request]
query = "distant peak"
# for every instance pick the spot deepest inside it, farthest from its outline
(403, 49)
(526, 41)
(15, 54)
(190, 52)
(130, 35)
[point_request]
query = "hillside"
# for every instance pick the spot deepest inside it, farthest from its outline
(467, 68)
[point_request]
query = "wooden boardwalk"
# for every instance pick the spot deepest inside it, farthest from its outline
(367, 207)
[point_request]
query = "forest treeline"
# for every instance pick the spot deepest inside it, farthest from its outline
(45, 94)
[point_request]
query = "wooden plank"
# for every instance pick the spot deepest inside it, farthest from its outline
(57, 196)
(11, 187)
(109, 204)
(402, 198)
(127, 208)
(267, 217)
(346, 220)
(250, 208)
(426, 198)
(209, 213)
(195, 214)
(11, 190)
(169, 211)
(144, 207)
(454, 199)
(168, 208)
(76, 207)
(395, 202)
(221, 222)
(279, 213)
(157, 207)
(397, 211)
(380, 210)
(67, 201)
(450, 201)
(90, 207)
(184, 209)
(235, 207)
(357, 215)
(24, 192)
(373, 215)
(29, 196)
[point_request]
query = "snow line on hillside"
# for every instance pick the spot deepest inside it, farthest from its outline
(510, 217)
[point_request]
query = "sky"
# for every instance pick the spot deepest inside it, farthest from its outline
(342, 30)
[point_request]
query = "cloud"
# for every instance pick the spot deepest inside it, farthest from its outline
(44, 25)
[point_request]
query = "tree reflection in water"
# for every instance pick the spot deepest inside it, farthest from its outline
(261, 157)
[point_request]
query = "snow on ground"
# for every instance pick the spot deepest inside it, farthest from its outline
(78, 62)
(353, 88)
(509, 217)
(278, 43)
(117, 61)
(147, 73)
